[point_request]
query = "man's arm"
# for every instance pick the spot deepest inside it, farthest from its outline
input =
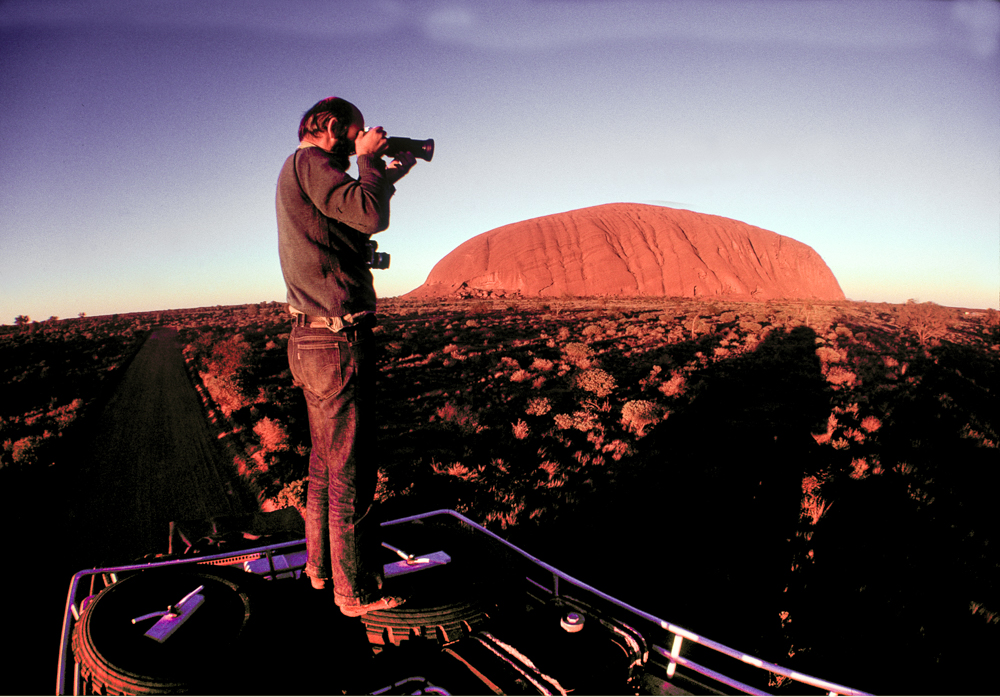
(362, 203)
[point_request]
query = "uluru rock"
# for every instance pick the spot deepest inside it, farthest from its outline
(631, 249)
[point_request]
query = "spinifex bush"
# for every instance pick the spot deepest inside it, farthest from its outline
(538, 406)
(462, 416)
(596, 381)
(578, 354)
(674, 386)
(272, 435)
(582, 420)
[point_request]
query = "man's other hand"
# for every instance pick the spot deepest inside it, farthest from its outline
(397, 169)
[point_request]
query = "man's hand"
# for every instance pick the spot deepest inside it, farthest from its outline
(371, 142)
(397, 169)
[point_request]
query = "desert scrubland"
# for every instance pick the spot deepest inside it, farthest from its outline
(51, 372)
(809, 481)
(812, 482)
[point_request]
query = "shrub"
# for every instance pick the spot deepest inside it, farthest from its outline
(675, 386)
(871, 424)
(272, 435)
(292, 494)
(844, 333)
(597, 382)
(521, 376)
(521, 430)
(542, 365)
(463, 417)
(828, 355)
(231, 356)
(652, 378)
(618, 449)
(563, 421)
(859, 468)
(554, 476)
(814, 508)
(580, 420)
(639, 414)
(25, 450)
(811, 485)
(508, 363)
(538, 406)
(65, 415)
(578, 354)
(841, 377)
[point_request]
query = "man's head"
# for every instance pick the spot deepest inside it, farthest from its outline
(333, 124)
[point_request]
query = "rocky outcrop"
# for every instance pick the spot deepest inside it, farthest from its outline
(628, 249)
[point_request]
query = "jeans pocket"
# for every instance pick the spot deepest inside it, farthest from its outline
(318, 363)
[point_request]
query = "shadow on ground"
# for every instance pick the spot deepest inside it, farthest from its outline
(698, 528)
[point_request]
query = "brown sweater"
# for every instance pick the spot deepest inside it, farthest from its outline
(325, 217)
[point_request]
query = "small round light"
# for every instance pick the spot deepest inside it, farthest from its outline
(572, 622)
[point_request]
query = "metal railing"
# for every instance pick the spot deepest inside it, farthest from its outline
(673, 634)
(75, 604)
(679, 634)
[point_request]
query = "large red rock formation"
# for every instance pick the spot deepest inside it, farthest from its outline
(632, 249)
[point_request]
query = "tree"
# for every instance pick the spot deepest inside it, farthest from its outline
(22, 320)
(925, 320)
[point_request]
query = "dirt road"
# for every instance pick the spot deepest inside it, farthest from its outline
(154, 459)
(148, 458)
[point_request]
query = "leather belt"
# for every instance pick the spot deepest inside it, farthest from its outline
(358, 320)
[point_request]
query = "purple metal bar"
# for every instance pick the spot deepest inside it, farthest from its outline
(691, 636)
(708, 672)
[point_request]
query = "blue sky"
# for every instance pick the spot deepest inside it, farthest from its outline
(140, 141)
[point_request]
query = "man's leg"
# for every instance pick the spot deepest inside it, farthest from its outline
(354, 534)
(339, 385)
(315, 358)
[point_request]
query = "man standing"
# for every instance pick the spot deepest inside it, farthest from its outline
(325, 220)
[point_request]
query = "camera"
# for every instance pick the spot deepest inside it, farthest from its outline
(421, 149)
(374, 258)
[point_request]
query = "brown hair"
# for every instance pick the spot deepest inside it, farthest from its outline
(317, 119)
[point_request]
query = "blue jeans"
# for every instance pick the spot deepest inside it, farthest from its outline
(337, 374)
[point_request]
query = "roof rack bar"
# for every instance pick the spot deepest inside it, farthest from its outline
(704, 641)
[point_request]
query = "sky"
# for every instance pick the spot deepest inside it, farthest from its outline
(140, 140)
